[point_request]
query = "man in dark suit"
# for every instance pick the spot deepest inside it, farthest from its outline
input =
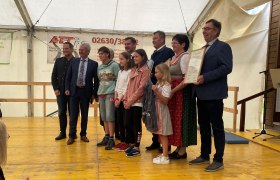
(210, 90)
(160, 55)
(58, 82)
(79, 84)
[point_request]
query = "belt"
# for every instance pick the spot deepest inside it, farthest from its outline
(81, 87)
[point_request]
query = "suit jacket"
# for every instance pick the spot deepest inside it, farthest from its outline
(217, 64)
(160, 56)
(59, 73)
(91, 75)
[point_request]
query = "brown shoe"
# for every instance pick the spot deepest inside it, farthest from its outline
(70, 141)
(60, 136)
(85, 139)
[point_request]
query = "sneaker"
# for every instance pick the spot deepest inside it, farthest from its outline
(117, 147)
(104, 141)
(199, 160)
(215, 166)
(110, 144)
(133, 153)
(128, 149)
(161, 160)
(123, 147)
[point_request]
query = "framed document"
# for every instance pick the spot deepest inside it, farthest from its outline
(194, 67)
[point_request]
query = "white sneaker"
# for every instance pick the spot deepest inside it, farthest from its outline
(161, 160)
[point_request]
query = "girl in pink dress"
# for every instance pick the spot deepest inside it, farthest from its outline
(162, 91)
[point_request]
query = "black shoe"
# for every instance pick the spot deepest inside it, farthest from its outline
(215, 166)
(176, 155)
(199, 160)
(60, 136)
(104, 141)
(161, 150)
(173, 154)
(110, 144)
(70, 141)
(153, 146)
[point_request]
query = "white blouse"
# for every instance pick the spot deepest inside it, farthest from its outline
(165, 90)
(184, 63)
(122, 82)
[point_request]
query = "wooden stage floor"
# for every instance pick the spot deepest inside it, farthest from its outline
(33, 152)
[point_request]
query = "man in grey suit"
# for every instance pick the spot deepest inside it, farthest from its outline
(210, 90)
(79, 85)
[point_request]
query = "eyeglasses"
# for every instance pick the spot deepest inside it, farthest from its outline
(174, 43)
(206, 28)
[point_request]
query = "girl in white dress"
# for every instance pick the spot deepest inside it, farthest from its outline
(162, 91)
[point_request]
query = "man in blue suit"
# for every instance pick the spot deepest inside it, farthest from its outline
(81, 84)
(210, 90)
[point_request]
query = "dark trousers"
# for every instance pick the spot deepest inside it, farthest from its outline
(2, 177)
(155, 140)
(117, 126)
(120, 122)
(79, 100)
(210, 113)
(63, 104)
(133, 125)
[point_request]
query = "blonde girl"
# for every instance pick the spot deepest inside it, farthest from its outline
(162, 91)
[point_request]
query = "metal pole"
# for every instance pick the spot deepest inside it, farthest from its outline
(30, 73)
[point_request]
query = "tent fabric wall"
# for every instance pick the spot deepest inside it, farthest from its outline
(250, 4)
(247, 35)
(126, 15)
(9, 13)
(15, 70)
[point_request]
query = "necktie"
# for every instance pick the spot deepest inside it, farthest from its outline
(81, 73)
(206, 47)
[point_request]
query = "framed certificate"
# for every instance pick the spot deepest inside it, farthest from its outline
(194, 66)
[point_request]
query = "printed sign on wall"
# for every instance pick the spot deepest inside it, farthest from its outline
(115, 42)
(5, 47)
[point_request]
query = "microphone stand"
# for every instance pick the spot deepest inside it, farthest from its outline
(263, 131)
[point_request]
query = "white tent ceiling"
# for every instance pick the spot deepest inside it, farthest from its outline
(123, 15)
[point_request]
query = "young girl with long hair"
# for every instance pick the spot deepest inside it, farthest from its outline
(162, 90)
(121, 85)
(133, 101)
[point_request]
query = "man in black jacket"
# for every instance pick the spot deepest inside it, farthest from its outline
(58, 82)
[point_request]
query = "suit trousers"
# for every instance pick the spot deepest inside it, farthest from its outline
(63, 104)
(210, 113)
(79, 100)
